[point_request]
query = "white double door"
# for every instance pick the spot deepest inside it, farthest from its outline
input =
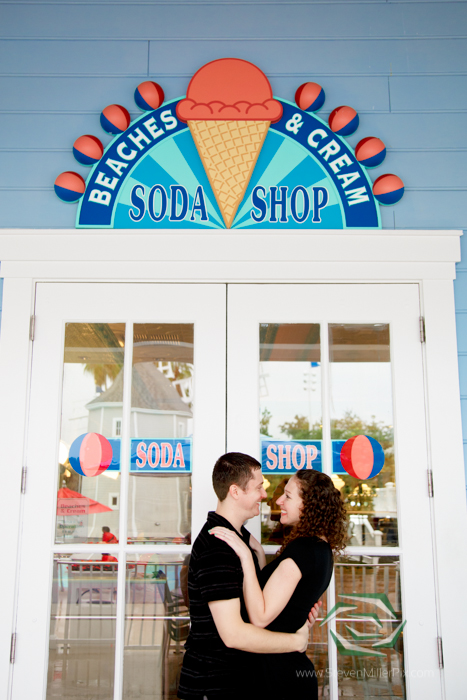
(226, 358)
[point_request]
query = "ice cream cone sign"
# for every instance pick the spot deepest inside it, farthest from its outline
(228, 108)
(230, 155)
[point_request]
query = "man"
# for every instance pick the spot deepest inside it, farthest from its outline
(217, 665)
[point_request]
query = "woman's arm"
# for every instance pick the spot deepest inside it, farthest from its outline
(263, 606)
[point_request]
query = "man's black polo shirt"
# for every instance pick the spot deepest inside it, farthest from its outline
(209, 667)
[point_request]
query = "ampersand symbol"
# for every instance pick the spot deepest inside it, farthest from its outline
(294, 124)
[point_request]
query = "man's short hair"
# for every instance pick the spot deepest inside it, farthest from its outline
(233, 468)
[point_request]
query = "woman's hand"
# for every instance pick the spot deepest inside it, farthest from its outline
(233, 540)
(314, 612)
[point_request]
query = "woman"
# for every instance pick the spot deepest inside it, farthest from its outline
(293, 582)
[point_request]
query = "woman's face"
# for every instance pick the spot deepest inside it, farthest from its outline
(290, 503)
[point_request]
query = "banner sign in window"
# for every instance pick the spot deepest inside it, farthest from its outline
(292, 455)
(115, 463)
(161, 456)
(337, 467)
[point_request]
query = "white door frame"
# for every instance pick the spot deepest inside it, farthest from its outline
(57, 303)
(426, 257)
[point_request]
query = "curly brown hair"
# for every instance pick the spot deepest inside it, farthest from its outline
(323, 512)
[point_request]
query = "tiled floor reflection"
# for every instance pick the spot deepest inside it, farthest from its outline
(83, 626)
(82, 629)
(156, 626)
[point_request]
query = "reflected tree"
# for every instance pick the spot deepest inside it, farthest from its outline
(264, 422)
(300, 429)
(102, 373)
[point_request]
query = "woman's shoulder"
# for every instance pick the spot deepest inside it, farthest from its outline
(307, 549)
(307, 542)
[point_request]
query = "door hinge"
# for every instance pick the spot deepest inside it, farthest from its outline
(422, 329)
(430, 483)
(13, 648)
(24, 472)
(32, 328)
(440, 652)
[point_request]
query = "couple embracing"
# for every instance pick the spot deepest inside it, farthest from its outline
(250, 620)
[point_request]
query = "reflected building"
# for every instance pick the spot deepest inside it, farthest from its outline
(159, 505)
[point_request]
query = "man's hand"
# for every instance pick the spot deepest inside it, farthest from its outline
(304, 632)
(302, 636)
(314, 613)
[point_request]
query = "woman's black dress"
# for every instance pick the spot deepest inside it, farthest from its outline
(287, 676)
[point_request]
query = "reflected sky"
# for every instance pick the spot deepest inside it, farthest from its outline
(288, 389)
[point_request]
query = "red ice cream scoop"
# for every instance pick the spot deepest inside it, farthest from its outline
(229, 89)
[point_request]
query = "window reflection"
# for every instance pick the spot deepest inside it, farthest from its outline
(376, 619)
(361, 404)
(161, 426)
(82, 626)
(92, 375)
(156, 625)
(289, 404)
(368, 593)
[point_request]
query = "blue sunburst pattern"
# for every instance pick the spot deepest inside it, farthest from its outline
(172, 161)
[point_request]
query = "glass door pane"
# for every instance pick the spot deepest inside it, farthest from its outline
(82, 627)
(289, 408)
(360, 400)
(92, 370)
(156, 624)
(373, 633)
(161, 428)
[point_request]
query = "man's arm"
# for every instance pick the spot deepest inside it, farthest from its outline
(237, 634)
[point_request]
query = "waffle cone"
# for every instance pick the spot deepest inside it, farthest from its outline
(229, 151)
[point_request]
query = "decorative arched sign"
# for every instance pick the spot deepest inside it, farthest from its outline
(229, 155)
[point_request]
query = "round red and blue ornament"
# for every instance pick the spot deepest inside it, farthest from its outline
(69, 186)
(343, 121)
(388, 189)
(149, 95)
(90, 454)
(310, 97)
(370, 152)
(362, 457)
(88, 150)
(115, 119)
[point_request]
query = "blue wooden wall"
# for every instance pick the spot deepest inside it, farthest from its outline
(402, 65)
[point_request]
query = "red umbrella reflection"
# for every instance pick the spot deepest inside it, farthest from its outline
(73, 503)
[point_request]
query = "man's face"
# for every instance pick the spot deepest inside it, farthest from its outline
(254, 493)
